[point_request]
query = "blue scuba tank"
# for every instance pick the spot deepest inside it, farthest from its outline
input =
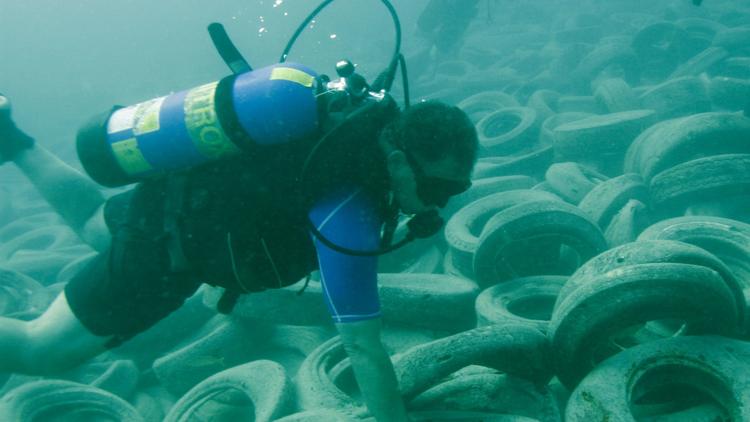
(272, 105)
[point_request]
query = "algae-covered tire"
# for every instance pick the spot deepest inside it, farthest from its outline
(528, 300)
(45, 266)
(531, 163)
(221, 344)
(607, 55)
(21, 295)
(615, 95)
(736, 40)
(628, 223)
(261, 391)
(315, 386)
(544, 101)
(119, 377)
(660, 47)
(728, 240)
(434, 301)
(26, 224)
(578, 104)
(507, 130)
(546, 134)
(572, 181)
(464, 228)
(677, 97)
(676, 141)
(729, 94)
(707, 364)
(462, 416)
(485, 186)
(608, 197)
(605, 135)
(651, 252)
(515, 349)
(701, 62)
(46, 238)
(490, 392)
(328, 415)
(585, 321)
(480, 105)
(709, 178)
(509, 241)
(46, 400)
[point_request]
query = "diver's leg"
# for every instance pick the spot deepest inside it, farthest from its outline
(75, 197)
(52, 343)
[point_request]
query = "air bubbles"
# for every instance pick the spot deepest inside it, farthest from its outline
(332, 36)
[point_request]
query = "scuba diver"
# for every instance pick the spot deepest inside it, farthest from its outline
(247, 218)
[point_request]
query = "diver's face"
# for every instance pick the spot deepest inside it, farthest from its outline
(421, 186)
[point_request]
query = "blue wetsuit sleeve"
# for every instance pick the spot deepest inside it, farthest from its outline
(348, 218)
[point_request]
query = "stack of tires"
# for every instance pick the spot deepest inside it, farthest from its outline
(597, 270)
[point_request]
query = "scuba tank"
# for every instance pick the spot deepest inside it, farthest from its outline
(272, 105)
(249, 109)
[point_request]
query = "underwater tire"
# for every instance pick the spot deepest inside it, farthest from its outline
(479, 105)
(608, 197)
(316, 388)
(578, 104)
(585, 319)
(628, 223)
(515, 349)
(490, 392)
(660, 47)
(603, 56)
(700, 63)
(21, 295)
(728, 240)
(531, 163)
(485, 186)
(709, 364)
(40, 400)
(677, 97)
(463, 230)
(729, 93)
(572, 181)
(264, 382)
(119, 377)
(46, 238)
(672, 142)
(328, 415)
(554, 221)
(26, 224)
(652, 252)
(528, 300)
(544, 101)
(507, 130)
(709, 178)
(596, 137)
(615, 95)
(221, 344)
(433, 301)
(546, 134)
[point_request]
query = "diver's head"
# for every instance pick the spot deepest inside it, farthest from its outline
(431, 150)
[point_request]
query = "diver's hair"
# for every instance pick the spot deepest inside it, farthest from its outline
(433, 130)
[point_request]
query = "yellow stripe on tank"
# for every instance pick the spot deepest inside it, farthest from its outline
(292, 75)
(203, 124)
(129, 157)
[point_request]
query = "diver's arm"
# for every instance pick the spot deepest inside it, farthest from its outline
(373, 369)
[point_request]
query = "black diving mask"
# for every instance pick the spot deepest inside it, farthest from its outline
(434, 190)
